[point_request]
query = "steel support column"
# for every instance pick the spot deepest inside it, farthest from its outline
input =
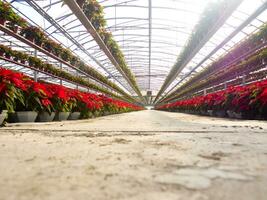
(149, 35)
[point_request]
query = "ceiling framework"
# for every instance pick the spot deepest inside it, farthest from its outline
(261, 9)
(151, 35)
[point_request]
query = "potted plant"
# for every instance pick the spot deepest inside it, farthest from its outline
(5, 51)
(60, 100)
(11, 90)
(51, 46)
(56, 49)
(48, 45)
(33, 34)
(20, 56)
(35, 62)
(47, 113)
(8, 92)
(66, 55)
(92, 8)
(80, 2)
(74, 60)
(76, 104)
(16, 22)
(98, 21)
(35, 100)
(5, 12)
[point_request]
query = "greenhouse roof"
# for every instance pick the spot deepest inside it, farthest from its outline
(151, 35)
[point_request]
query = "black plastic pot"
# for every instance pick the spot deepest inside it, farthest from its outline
(61, 116)
(23, 117)
(220, 113)
(45, 117)
(74, 116)
(204, 113)
(3, 116)
(244, 115)
(211, 113)
(230, 114)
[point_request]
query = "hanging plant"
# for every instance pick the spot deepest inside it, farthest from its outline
(5, 51)
(92, 8)
(5, 12)
(34, 34)
(20, 56)
(74, 60)
(35, 62)
(48, 44)
(80, 2)
(57, 49)
(16, 22)
(66, 55)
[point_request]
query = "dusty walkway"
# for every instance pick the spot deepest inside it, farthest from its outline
(143, 155)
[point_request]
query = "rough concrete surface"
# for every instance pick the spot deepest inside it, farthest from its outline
(146, 155)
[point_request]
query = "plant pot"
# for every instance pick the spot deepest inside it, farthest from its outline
(230, 114)
(90, 115)
(80, 2)
(3, 116)
(106, 113)
(220, 113)
(23, 116)
(2, 21)
(8, 56)
(202, 112)
(243, 115)
(14, 29)
(211, 113)
(38, 43)
(61, 116)
(31, 39)
(74, 116)
(1, 53)
(96, 114)
(197, 112)
(45, 117)
(238, 115)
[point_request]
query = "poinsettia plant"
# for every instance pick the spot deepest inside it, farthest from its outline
(60, 98)
(11, 89)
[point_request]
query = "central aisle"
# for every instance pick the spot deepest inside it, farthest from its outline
(149, 155)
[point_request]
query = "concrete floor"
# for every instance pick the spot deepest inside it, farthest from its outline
(149, 155)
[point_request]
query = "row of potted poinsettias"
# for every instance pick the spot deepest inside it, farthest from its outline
(25, 100)
(248, 102)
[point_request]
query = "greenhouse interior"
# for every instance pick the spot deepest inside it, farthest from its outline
(133, 99)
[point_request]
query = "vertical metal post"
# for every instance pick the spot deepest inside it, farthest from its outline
(35, 73)
(244, 79)
(225, 85)
(150, 35)
(60, 64)
(205, 91)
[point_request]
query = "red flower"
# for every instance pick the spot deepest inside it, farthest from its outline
(46, 102)
(2, 87)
